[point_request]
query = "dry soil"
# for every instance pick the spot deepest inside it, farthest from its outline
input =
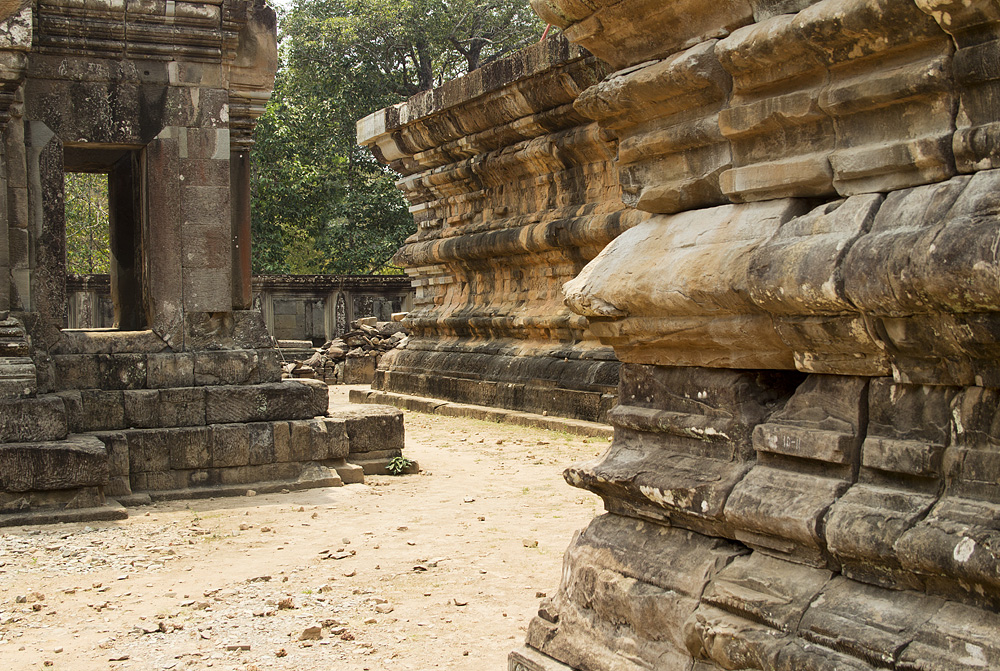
(438, 570)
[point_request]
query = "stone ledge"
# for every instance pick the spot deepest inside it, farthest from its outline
(435, 406)
(111, 511)
(309, 479)
(526, 659)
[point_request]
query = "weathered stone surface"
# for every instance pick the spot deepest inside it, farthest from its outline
(79, 462)
(685, 299)
(900, 476)
(682, 441)
(973, 27)
(926, 273)
(626, 33)
(494, 273)
(807, 455)
(620, 573)
(674, 164)
(814, 316)
(33, 419)
(861, 509)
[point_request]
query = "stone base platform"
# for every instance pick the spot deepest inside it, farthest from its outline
(92, 476)
(559, 381)
(434, 406)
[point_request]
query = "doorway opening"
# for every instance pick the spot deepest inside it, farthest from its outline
(104, 206)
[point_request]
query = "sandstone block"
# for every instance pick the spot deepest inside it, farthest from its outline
(117, 448)
(291, 399)
(674, 164)
(300, 443)
(813, 314)
(121, 371)
(225, 367)
(282, 442)
(262, 443)
(149, 452)
(329, 439)
(100, 410)
(682, 441)
(76, 371)
(608, 577)
(230, 445)
(183, 406)
(142, 408)
(371, 428)
(781, 138)
(81, 461)
(35, 419)
(686, 290)
(641, 30)
(170, 370)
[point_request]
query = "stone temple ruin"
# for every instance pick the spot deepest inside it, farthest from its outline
(183, 397)
(798, 206)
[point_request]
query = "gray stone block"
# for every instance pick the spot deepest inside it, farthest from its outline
(121, 371)
(149, 452)
(174, 369)
(191, 448)
(262, 448)
(81, 461)
(33, 419)
(142, 408)
(230, 445)
(181, 407)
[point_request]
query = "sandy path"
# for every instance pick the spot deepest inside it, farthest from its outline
(201, 584)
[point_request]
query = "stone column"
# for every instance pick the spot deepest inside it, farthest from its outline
(239, 179)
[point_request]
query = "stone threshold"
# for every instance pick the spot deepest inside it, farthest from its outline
(434, 406)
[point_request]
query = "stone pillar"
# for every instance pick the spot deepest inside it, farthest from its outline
(239, 178)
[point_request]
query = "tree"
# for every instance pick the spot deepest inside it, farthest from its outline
(88, 249)
(342, 60)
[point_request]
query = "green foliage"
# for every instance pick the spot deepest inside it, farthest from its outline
(88, 249)
(398, 465)
(322, 204)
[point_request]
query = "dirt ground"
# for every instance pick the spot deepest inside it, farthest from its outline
(438, 570)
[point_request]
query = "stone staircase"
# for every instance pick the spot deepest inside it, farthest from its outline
(17, 371)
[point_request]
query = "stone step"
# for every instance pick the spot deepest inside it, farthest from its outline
(79, 461)
(18, 377)
(32, 420)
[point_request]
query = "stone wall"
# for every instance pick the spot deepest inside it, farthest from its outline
(513, 193)
(806, 465)
(183, 395)
(321, 307)
(295, 307)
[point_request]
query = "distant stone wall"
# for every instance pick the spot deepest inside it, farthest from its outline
(295, 307)
(322, 307)
(513, 193)
(806, 465)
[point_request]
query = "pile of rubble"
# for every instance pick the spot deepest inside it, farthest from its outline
(353, 357)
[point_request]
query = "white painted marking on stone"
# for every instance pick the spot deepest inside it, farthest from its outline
(963, 551)
(976, 656)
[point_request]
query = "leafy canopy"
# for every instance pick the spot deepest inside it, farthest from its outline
(322, 204)
(88, 249)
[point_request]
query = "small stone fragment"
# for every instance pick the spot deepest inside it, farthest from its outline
(313, 632)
